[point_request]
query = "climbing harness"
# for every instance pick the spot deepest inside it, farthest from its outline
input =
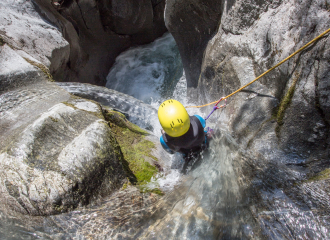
(269, 70)
(216, 107)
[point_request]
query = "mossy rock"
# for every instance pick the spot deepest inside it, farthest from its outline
(120, 120)
(135, 148)
(42, 67)
(285, 103)
(325, 174)
(2, 42)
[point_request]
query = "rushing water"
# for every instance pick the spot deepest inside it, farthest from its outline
(206, 202)
(204, 199)
(148, 72)
(210, 201)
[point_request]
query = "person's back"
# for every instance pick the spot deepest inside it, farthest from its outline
(182, 133)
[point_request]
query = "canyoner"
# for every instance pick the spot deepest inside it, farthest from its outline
(185, 134)
(182, 133)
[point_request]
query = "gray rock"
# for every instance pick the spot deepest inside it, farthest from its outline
(192, 25)
(30, 35)
(57, 150)
(135, 110)
(280, 122)
(98, 31)
(119, 216)
(243, 49)
(127, 17)
(61, 157)
(15, 71)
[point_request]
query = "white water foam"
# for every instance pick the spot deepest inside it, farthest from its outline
(147, 72)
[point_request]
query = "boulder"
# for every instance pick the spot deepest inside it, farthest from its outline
(135, 110)
(25, 31)
(126, 17)
(61, 156)
(59, 151)
(98, 31)
(287, 108)
(281, 122)
(15, 71)
(192, 25)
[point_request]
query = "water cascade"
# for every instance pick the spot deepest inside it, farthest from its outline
(206, 202)
(205, 199)
(149, 72)
(212, 201)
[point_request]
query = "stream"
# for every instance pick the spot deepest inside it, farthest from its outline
(206, 202)
(203, 201)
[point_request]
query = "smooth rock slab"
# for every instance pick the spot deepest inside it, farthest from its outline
(55, 155)
(26, 31)
(135, 110)
(14, 70)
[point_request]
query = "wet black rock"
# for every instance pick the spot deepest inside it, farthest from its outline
(192, 24)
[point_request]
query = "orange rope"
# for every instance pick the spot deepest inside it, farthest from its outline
(293, 54)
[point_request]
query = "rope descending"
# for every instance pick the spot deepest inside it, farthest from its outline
(293, 54)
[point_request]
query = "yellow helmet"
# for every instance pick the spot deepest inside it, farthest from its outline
(174, 118)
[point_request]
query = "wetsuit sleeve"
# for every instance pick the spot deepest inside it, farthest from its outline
(164, 145)
(202, 120)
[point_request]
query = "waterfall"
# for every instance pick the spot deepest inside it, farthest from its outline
(207, 198)
(210, 201)
(148, 72)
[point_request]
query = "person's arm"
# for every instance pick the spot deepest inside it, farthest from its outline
(164, 145)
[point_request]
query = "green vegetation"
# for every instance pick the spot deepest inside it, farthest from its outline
(154, 190)
(135, 149)
(53, 119)
(42, 68)
(124, 186)
(2, 42)
(325, 174)
(285, 103)
(120, 120)
(70, 105)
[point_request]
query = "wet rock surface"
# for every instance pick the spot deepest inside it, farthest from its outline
(280, 121)
(69, 154)
(58, 158)
(121, 216)
(98, 31)
(135, 110)
(192, 25)
(59, 151)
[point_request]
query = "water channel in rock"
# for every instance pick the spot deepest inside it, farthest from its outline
(205, 201)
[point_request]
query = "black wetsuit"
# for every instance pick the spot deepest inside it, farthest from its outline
(191, 141)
